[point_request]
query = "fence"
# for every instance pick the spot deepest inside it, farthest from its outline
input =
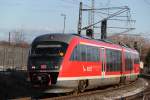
(12, 57)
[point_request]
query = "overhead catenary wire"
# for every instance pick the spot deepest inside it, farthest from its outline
(75, 3)
(147, 2)
(112, 15)
(104, 13)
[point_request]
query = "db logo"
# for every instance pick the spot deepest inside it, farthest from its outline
(87, 68)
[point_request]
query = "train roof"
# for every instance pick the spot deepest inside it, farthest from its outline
(54, 37)
(63, 38)
(66, 38)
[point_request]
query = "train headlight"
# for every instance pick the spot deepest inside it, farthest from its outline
(56, 67)
(33, 67)
(61, 54)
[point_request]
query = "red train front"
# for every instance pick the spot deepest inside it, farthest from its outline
(64, 61)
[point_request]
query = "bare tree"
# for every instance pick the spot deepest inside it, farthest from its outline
(18, 37)
(142, 44)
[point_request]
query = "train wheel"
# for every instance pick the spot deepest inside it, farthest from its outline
(82, 85)
(123, 80)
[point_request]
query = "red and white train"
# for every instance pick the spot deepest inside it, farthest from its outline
(65, 61)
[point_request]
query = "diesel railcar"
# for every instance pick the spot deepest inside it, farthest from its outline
(68, 61)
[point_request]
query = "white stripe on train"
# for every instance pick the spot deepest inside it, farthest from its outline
(92, 77)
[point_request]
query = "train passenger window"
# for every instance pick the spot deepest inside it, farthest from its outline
(128, 61)
(85, 53)
(113, 60)
(89, 55)
(74, 54)
(136, 59)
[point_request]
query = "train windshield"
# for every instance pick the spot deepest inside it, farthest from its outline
(47, 54)
(49, 49)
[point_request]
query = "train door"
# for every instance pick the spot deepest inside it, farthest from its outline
(103, 62)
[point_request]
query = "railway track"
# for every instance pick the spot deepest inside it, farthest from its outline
(145, 95)
(127, 91)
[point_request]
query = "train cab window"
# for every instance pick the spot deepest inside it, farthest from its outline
(85, 53)
(113, 60)
(128, 61)
(52, 48)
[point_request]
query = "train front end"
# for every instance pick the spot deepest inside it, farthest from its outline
(45, 58)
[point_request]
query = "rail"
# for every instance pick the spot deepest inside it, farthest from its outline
(116, 92)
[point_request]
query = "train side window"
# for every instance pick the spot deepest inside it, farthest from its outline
(113, 60)
(136, 59)
(79, 51)
(85, 53)
(88, 54)
(128, 61)
(93, 54)
(73, 55)
(108, 60)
